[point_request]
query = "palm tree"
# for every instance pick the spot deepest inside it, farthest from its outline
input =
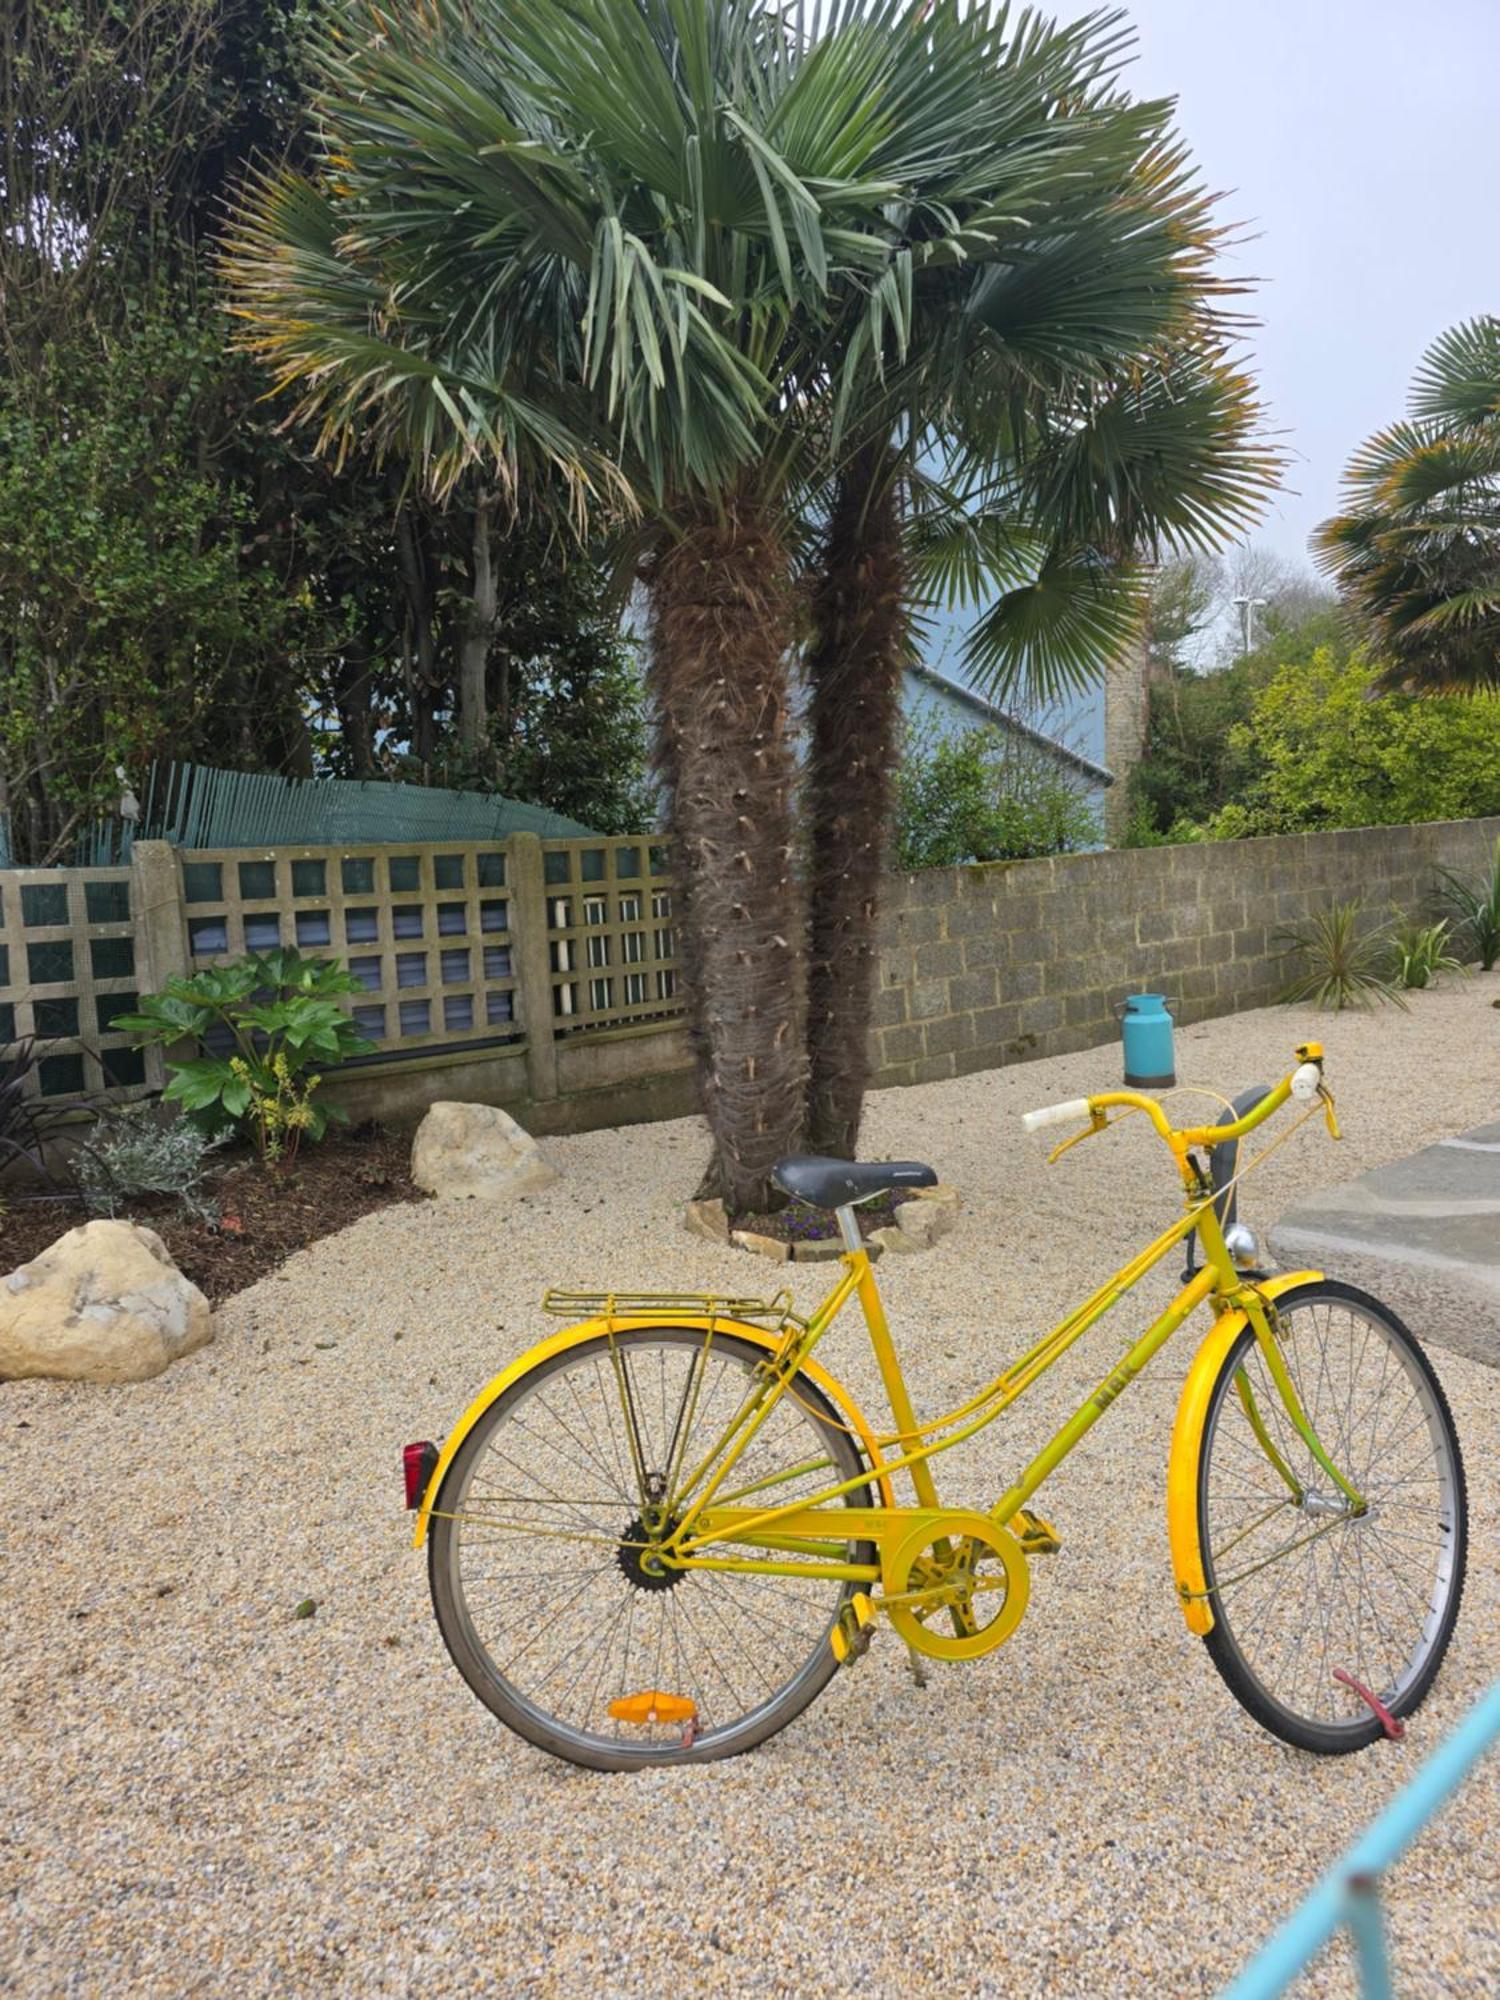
(1416, 553)
(711, 267)
(596, 248)
(1062, 404)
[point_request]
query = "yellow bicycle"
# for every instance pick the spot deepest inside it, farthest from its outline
(657, 1535)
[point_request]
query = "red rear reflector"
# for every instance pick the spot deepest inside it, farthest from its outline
(419, 1461)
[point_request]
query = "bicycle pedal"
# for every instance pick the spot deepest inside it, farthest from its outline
(1036, 1536)
(850, 1637)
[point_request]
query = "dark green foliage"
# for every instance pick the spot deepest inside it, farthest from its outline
(985, 796)
(1192, 765)
(281, 1012)
(567, 717)
(1475, 905)
(1201, 754)
(177, 572)
(1416, 554)
(126, 603)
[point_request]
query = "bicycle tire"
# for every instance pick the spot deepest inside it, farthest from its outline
(589, 1739)
(1386, 1625)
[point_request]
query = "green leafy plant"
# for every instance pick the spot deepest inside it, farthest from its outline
(279, 1013)
(1344, 960)
(28, 1123)
(1419, 952)
(1324, 754)
(1416, 552)
(130, 1152)
(983, 796)
(1475, 904)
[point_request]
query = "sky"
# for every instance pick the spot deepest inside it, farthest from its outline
(1356, 142)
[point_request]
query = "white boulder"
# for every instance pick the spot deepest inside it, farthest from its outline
(476, 1151)
(105, 1303)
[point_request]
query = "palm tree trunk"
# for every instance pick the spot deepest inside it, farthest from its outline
(477, 630)
(720, 631)
(859, 647)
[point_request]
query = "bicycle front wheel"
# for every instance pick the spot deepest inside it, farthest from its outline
(546, 1589)
(1308, 1597)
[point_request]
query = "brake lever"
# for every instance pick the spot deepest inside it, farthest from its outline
(1097, 1123)
(1329, 1114)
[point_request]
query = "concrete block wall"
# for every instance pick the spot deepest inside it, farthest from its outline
(994, 964)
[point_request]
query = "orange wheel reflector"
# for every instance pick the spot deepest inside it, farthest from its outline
(653, 1706)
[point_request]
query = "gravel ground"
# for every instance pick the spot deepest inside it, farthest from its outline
(205, 1794)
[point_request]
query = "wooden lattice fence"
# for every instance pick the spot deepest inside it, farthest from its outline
(458, 947)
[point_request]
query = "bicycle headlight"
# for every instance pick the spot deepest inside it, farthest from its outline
(1239, 1240)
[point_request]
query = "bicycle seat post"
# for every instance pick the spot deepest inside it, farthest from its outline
(849, 1227)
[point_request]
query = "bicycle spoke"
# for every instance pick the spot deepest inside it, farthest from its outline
(551, 1527)
(1297, 1598)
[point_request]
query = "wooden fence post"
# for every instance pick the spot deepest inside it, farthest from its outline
(532, 961)
(157, 908)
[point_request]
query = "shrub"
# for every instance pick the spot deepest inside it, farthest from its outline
(985, 796)
(131, 1153)
(1327, 753)
(1476, 909)
(278, 1013)
(27, 1123)
(1419, 952)
(1344, 960)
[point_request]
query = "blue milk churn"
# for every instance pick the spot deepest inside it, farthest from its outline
(1146, 1030)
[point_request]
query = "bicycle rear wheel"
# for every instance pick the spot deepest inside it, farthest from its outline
(539, 1566)
(1304, 1591)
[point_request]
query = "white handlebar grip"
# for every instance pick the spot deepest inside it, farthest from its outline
(1073, 1112)
(1305, 1082)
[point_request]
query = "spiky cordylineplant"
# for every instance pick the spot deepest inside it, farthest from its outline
(1475, 904)
(1344, 960)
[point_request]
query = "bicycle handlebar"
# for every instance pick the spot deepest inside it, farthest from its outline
(1057, 1114)
(1305, 1083)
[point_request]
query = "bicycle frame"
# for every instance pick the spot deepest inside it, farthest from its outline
(794, 1526)
(701, 1511)
(803, 1537)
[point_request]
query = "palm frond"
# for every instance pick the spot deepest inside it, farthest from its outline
(1416, 553)
(1458, 378)
(1055, 635)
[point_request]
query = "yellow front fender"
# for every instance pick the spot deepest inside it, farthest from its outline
(591, 1329)
(1187, 1437)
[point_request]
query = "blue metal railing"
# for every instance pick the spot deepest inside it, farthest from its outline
(1350, 1892)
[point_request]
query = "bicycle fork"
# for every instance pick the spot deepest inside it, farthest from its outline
(1263, 1319)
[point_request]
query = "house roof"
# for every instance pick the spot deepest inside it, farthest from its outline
(1004, 718)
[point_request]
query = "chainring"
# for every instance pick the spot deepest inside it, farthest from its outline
(977, 1574)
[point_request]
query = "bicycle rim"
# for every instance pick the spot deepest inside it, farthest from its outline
(537, 1571)
(1307, 1597)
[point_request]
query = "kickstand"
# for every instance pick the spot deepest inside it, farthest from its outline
(1393, 1728)
(917, 1665)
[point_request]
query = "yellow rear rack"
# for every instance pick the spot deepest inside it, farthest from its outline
(775, 1311)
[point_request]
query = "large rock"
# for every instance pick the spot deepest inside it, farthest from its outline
(473, 1150)
(104, 1304)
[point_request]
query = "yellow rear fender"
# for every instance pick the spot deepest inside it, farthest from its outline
(593, 1329)
(1187, 1439)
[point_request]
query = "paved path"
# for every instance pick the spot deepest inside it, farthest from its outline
(1422, 1232)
